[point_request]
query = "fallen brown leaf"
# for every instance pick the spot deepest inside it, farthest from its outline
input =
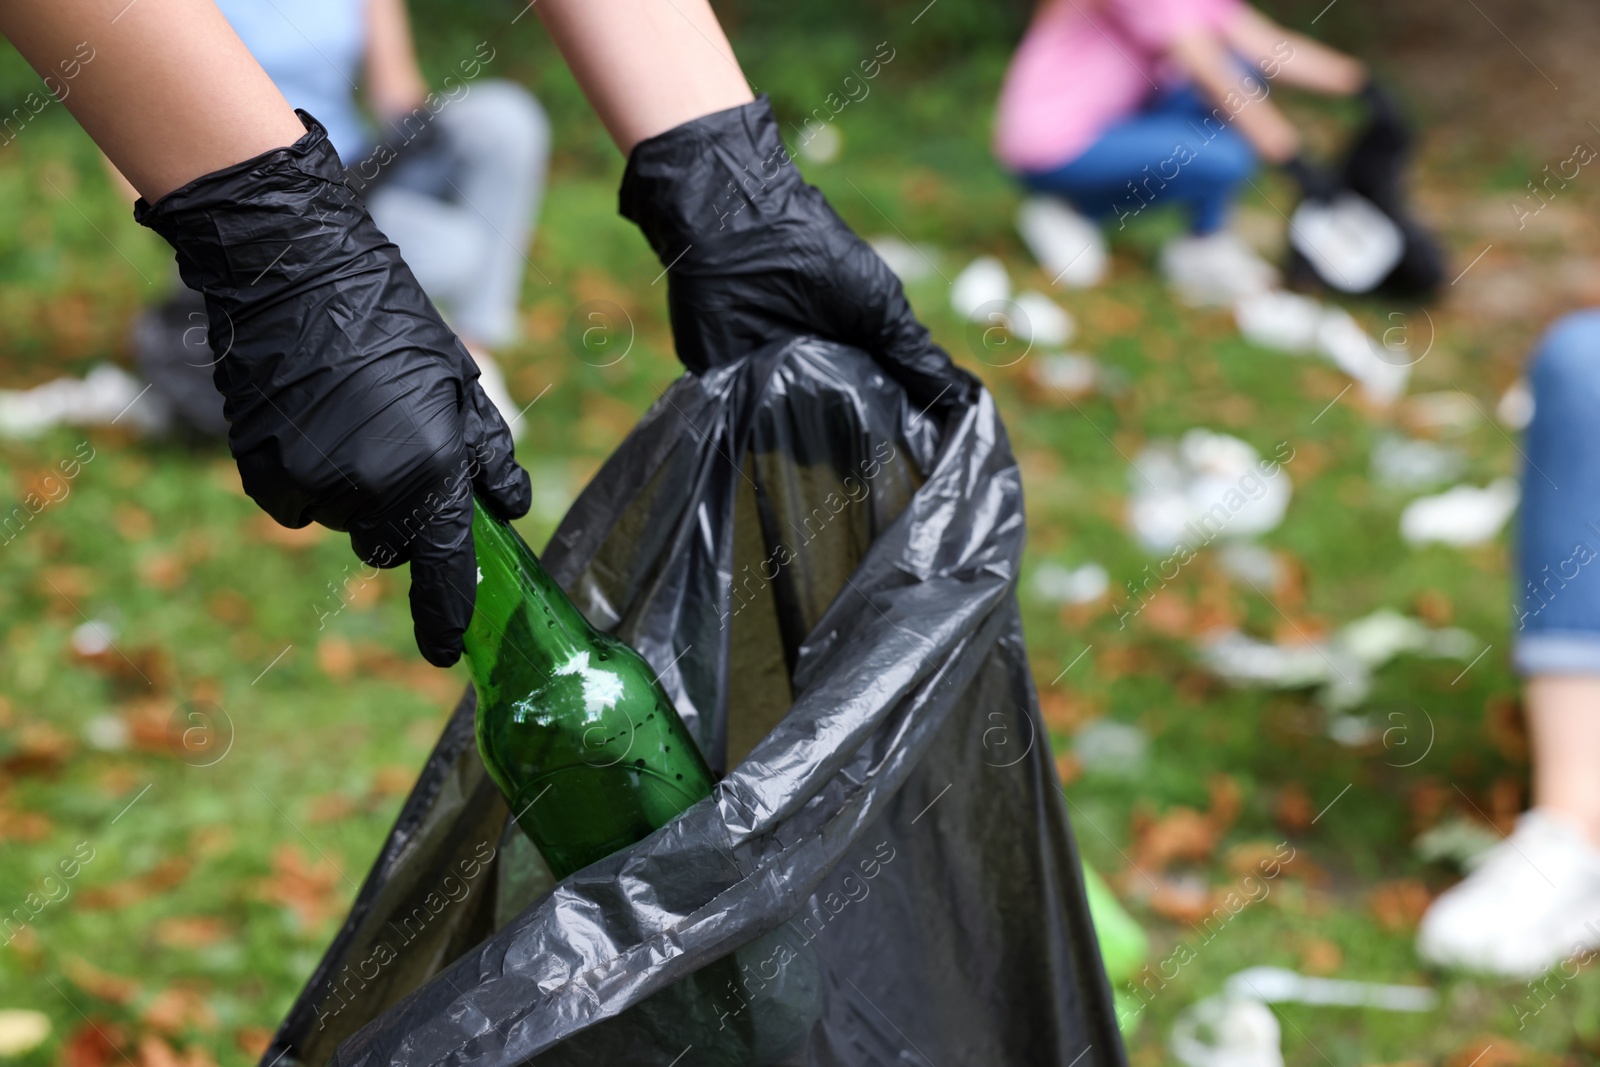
(1434, 608)
(1181, 834)
(1320, 956)
(1068, 769)
(93, 1044)
(264, 528)
(38, 748)
(113, 988)
(1294, 809)
(132, 522)
(1505, 803)
(163, 876)
(336, 657)
(252, 1040)
(190, 931)
(1506, 727)
(1181, 902)
(393, 781)
(1168, 613)
(1428, 800)
(1492, 1050)
(162, 570)
(18, 825)
(1399, 905)
(174, 1011)
(330, 807)
(1065, 711)
(310, 891)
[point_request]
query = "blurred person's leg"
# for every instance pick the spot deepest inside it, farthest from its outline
(464, 220)
(1534, 900)
(1558, 611)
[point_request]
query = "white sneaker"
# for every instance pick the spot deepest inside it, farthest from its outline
(1069, 247)
(1533, 901)
(494, 387)
(1218, 268)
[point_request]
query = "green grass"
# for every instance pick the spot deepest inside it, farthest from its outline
(328, 721)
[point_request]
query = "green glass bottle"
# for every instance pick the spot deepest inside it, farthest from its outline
(572, 724)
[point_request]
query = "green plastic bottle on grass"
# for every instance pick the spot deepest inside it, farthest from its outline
(1123, 945)
(572, 724)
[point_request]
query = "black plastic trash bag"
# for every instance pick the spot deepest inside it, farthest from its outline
(825, 579)
(1374, 169)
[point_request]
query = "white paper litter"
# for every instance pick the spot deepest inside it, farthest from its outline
(1403, 463)
(1071, 373)
(1289, 322)
(108, 733)
(1207, 486)
(1350, 243)
(107, 394)
(911, 263)
(983, 282)
(1515, 409)
(1448, 411)
(1225, 1031)
(22, 1030)
(1069, 247)
(1035, 317)
(1279, 985)
(1341, 666)
(1105, 746)
(1463, 842)
(1276, 319)
(1465, 515)
(93, 638)
(1252, 563)
(1235, 1028)
(1070, 585)
(822, 145)
(1382, 377)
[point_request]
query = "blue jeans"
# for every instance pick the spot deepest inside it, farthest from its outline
(464, 228)
(1556, 616)
(1178, 150)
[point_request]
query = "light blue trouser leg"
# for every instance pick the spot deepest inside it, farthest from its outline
(1556, 606)
(468, 245)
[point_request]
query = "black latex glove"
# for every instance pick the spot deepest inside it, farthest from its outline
(1316, 181)
(754, 254)
(349, 401)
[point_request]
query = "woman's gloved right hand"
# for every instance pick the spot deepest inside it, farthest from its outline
(349, 401)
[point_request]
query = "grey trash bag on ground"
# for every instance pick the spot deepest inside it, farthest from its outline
(825, 580)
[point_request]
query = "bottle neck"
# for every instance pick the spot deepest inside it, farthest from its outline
(521, 613)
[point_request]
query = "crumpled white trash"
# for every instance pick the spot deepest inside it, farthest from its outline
(981, 283)
(1207, 486)
(1382, 378)
(1069, 247)
(910, 262)
(1342, 666)
(1350, 243)
(107, 394)
(1465, 515)
(1034, 317)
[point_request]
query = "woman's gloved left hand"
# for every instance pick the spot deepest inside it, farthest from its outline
(754, 254)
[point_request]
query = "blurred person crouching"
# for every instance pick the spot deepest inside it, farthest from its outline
(453, 177)
(1113, 106)
(1533, 900)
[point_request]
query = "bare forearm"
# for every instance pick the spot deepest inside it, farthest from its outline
(394, 79)
(1301, 61)
(170, 93)
(1205, 59)
(646, 65)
